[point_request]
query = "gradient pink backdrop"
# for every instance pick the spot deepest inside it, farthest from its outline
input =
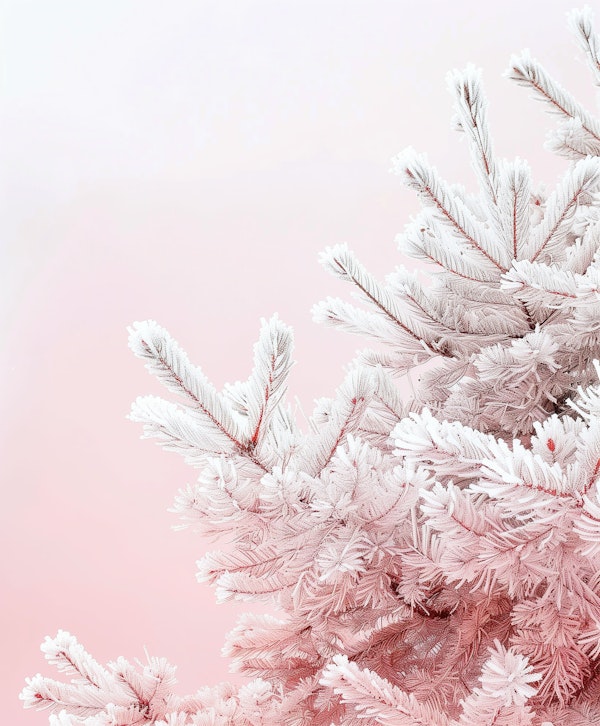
(186, 161)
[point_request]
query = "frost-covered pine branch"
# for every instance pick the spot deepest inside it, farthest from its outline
(509, 357)
(429, 562)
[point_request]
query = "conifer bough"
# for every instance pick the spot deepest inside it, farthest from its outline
(434, 561)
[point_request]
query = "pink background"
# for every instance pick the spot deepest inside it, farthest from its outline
(186, 161)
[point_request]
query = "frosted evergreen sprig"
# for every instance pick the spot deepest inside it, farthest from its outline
(578, 133)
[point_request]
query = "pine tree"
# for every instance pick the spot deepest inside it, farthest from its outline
(435, 561)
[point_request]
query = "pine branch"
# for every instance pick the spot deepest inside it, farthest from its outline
(180, 430)
(350, 319)
(265, 646)
(267, 383)
(424, 240)
(448, 447)
(448, 208)
(375, 698)
(131, 696)
(244, 575)
(581, 24)
(572, 140)
(529, 73)
(353, 397)
(542, 285)
(471, 107)
(506, 679)
(238, 423)
(341, 262)
(224, 495)
(580, 255)
(549, 235)
(165, 359)
(514, 198)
